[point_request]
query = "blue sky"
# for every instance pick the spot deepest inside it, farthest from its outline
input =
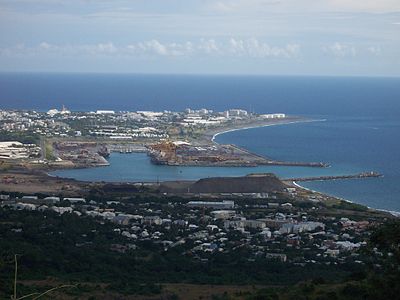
(284, 37)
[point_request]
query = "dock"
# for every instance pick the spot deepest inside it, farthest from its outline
(362, 175)
(214, 155)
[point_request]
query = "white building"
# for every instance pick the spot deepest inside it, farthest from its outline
(4, 197)
(29, 198)
(237, 113)
(53, 112)
(152, 220)
(301, 227)
(150, 114)
(223, 214)
(75, 200)
(52, 199)
(13, 150)
(105, 112)
(274, 116)
(236, 224)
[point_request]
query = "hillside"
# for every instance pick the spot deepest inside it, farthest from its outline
(260, 183)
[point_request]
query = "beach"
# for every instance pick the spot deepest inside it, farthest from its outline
(266, 125)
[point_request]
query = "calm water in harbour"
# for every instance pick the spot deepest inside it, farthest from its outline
(361, 132)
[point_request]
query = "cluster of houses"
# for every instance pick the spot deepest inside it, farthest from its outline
(34, 122)
(202, 228)
(117, 125)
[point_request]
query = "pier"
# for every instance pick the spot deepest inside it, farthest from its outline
(262, 160)
(351, 176)
(296, 164)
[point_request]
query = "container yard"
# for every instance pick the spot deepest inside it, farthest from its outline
(185, 154)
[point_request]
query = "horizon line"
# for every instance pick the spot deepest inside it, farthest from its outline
(200, 74)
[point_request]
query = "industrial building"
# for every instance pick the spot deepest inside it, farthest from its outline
(18, 150)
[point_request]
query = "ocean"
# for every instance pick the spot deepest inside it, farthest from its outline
(361, 131)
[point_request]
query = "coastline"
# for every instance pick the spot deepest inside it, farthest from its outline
(207, 136)
(392, 212)
(265, 125)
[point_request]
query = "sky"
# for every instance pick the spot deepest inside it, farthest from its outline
(260, 37)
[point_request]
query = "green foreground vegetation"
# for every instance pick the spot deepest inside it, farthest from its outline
(23, 137)
(55, 246)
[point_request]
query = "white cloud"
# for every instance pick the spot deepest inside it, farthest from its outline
(340, 50)
(106, 48)
(45, 46)
(209, 46)
(204, 47)
(375, 50)
(343, 50)
(154, 46)
(254, 48)
(251, 48)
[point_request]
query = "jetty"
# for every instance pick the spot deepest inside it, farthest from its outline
(270, 162)
(351, 176)
(295, 164)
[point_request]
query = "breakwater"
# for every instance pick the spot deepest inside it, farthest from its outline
(351, 176)
(296, 164)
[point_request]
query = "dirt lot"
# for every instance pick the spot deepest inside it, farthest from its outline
(37, 183)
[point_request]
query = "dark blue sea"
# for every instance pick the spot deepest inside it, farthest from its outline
(361, 131)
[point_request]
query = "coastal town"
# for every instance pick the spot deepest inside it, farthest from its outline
(85, 139)
(257, 221)
(288, 225)
(199, 150)
(127, 126)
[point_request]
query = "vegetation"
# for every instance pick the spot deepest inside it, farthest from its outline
(23, 137)
(79, 250)
(49, 151)
(350, 206)
(380, 280)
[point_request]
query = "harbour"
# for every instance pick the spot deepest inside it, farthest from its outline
(353, 136)
(214, 155)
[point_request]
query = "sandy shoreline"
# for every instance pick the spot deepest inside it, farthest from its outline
(265, 125)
